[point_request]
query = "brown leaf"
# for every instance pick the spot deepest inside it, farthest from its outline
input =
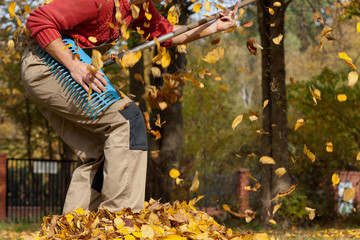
(250, 45)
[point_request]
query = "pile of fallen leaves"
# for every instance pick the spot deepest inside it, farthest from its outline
(179, 221)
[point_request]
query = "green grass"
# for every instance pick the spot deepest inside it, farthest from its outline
(11, 230)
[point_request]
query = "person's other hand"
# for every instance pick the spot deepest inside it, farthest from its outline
(227, 19)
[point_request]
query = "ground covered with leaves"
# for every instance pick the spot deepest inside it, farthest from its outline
(179, 221)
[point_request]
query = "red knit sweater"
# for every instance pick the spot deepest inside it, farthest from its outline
(80, 19)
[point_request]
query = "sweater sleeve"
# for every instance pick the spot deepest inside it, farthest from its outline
(46, 23)
(157, 25)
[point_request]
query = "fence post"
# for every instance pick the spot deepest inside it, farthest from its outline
(3, 186)
(242, 194)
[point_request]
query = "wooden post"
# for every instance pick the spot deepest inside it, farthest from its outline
(3, 186)
(242, 194)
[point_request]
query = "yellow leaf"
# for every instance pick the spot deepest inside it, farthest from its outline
(341, 97)
(174, 237)
(344, 56)
(129, 237)
(166, 60)
(147, 232)
(299, 123)
(292, 159)
(272, 221)
(18, 20)
(278, 39)
(266, 102)
(271, 11)
(174, 173)
(349, 194)
(276, 207)
(224, 87)
(179, 181)
(79, 211)
(241, 69)
(148, 16)
(280, 172)
(236, 121)
(253, 118)
(92, 39)
(156, 72)
(12, 9)
(358, 27)
(311, 212)
(197, 7)
(173, 16)
(214, 55)
(11, 44)
(311, 156)
(226, 207)
(96, 60)
(90, 91)
(329, 147)
(358, 157)
(195, 182)
(27, 8)
(326, 31)
(135, 10)
(335, 179)
(139, 31)
(218, 78)
(352, 78)
(350, 64)
(131, 58)
(207, 6)
(277, 4)
(267, 160)
(111, 25)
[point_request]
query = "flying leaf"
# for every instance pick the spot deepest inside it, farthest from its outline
(344, 56)
(226, 207)
(218, 78)
(310, 155)
(266, 102)
(311, 212)
(299, 123)
(12, 9)
(341, 97)
(287, 192)
(267, 160)
(174, 173)
(335, 179)
(280, 172)
(92, 39)
(173, 16)
(236, 121)
(215, 41)
(350, 64)
(156, 72)
(197, 7)
(317, 18)
(278, 39)
(148, 16)
(248, 24)
(96, 60)
(11, 44)
(352, 78)
(214, 55)
(276, 207)
(329, 147)
(325, 31)
(358, 157)
(179, 181)
(349, 194)
(131, 58)
(277, 4)
(271, 11)
(253, 118)
(250, 45)
(358, 27)
(224, 87)
(195, 182)
(272, 221)
(135, 10)
(207, 6)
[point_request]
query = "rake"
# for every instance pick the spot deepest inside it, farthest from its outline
(97, 102)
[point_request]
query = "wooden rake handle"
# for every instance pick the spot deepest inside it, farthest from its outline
(175, 33)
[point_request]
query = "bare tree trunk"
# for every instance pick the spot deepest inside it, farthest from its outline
(275, 142)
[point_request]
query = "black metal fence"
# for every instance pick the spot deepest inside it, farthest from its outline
(36, 187)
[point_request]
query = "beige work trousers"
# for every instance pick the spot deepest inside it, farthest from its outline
(113, 147)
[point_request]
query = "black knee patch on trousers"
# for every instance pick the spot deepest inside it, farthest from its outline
(98, 179)
(138, 137)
